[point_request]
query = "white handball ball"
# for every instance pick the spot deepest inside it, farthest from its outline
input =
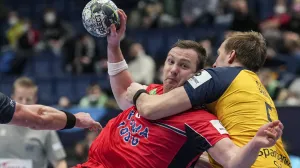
(98, 15)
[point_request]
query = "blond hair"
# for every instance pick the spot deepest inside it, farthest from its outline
(24, 82)
(250, 48)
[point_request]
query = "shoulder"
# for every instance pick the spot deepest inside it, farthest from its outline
(224, 73)
(216, 76)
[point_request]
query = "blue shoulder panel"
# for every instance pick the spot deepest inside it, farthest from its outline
(210, 84)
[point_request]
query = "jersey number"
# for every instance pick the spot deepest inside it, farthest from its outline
(268, 109)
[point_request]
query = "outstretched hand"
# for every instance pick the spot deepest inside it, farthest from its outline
(268, 134)
(84, 120)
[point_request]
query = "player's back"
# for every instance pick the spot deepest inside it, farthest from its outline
(243, 107)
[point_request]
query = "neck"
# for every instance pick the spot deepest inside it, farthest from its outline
(236, 64)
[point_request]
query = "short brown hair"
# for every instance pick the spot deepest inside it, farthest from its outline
(250, 49)
(189, 44)
(24, 82)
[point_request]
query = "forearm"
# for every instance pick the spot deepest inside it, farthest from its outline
(244, 157)
(121, 81)
(61, 164)
(155, 107)
(39, 117)
(203, 161)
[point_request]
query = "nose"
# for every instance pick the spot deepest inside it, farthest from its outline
(214, 65)
(23, 101)
(174, 70)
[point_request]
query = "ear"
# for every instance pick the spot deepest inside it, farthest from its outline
(232, 56)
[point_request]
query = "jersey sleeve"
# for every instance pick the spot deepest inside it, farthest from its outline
(210, 84)
(7, 109)
(206, 133)
(54, 149)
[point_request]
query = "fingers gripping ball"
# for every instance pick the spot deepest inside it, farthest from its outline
(98, 15)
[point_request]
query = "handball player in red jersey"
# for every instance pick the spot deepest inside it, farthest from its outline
(130, 141)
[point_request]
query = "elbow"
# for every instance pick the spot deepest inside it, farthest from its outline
(147, 112)
(232, 162)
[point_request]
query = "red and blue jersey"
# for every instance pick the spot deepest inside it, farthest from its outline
(130, 141)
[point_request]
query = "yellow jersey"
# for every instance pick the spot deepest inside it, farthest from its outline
(242, 104)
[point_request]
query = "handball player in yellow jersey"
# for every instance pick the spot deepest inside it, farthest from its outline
(231, 90)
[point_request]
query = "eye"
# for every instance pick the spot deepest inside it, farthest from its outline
(184, 66)
(170, 61)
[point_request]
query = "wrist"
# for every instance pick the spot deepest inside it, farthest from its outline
(113, 46)
(254, 144)
(137, 95)
(77, 122)
(140, 99)
(70, 121)
(116, 68)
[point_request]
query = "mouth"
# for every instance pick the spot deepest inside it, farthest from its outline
(172, 80)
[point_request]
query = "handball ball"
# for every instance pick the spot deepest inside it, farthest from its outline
(98, 15)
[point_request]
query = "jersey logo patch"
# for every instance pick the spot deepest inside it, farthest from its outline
(218, 126)
(198, 80)
(153, 91)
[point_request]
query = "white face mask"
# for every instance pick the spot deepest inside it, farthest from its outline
(25, 27)
(93, 98)
(13, 20)
(50, 18)
(280, 9)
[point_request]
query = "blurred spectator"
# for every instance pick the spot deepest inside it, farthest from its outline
(150, 14)
(290, 44)
(271, 27)
(242, 19)
(81, 149)
(224, 13)
(22, 39)
(195, 12)
(208, 46)
(294, 23)
(64, 102)
(80, 55)
(141, 66)
(55, 32)
(29, 39)
(96, 98)
(294, 96)
(31, 146)
(15, 29)
(269, 79)
(25, 47)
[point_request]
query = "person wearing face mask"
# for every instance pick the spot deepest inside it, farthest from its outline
(15, 30)
(141, 66)
(94, 98)
(279, 19)
(294, 23)
(55, 32)
(242, 19)
(30, 37)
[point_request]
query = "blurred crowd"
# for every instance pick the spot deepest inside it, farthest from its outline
(22, 37)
